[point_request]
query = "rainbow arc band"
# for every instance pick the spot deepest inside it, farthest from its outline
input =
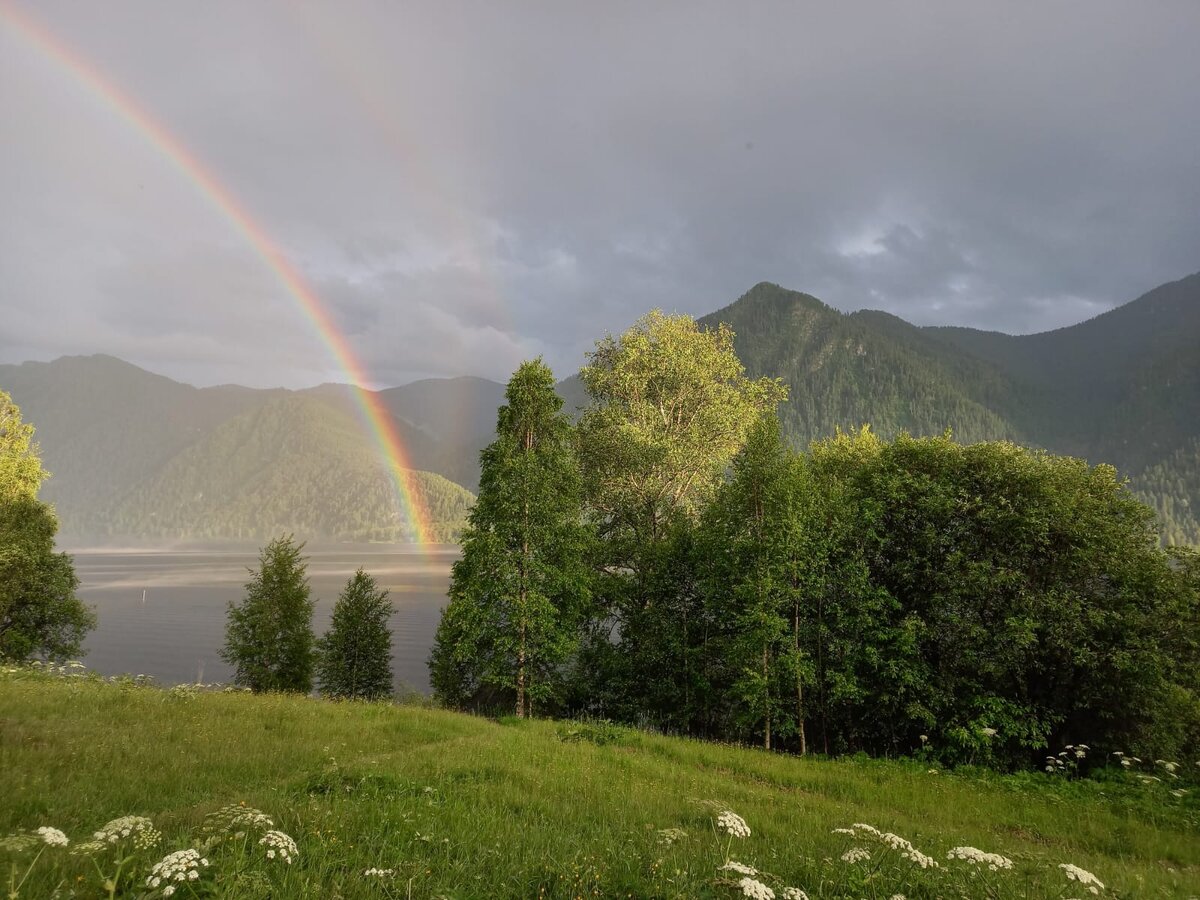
(379, 421)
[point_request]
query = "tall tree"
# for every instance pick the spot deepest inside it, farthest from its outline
(516, 592)
(354, 657)
(670, 406)
(40, 614)
(268, 637)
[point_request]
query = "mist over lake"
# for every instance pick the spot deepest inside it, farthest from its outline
(175, 635)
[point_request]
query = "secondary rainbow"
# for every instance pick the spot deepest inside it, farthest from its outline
(380, 422)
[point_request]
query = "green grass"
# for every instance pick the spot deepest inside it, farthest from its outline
(468, 807)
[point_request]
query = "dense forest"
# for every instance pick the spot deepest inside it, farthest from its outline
(668, 559)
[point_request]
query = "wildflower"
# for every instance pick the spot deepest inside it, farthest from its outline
(236, 820)
(278, 843)
(897, 897)
(1126, 763)
(669, 836)
(380, 873)
(19, 843)
(755, 889)
(53, 836)
(1178, 792)
(976, 857)
(1080, 754)
(1169, 766)
(733, 866)
(849, 831)
(87, 848)
(733, 824)
(856, 854)
(989, 732)
(862, 826)
(794, 893)
(1084, 877)
(924, 738)
(141, 829)
(179, 867)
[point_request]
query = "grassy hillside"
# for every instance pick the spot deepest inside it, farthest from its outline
(467, 807)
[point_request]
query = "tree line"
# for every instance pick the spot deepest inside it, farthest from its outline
(667, 559)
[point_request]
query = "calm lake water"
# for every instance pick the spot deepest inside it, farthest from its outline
(174, 635)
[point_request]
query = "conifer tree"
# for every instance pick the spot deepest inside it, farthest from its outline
(516, 593)
(269, 637)
(354, 656)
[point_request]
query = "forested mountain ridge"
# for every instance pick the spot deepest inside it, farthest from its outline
(1122, 388)
(137, 455)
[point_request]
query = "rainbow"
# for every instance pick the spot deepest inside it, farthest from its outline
(379, 420)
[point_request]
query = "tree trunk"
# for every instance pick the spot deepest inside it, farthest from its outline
(799, 682)
(521, 669)
(767, 698)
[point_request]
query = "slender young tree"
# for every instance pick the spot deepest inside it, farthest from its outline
(516, 592)
(354, 658)
(269, 637)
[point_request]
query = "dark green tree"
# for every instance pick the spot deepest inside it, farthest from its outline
(40, 614)
(516, 593)
(269, 637)
(354, 657)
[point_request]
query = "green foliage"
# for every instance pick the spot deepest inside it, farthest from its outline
(268, 637)
(1018, 600)
(517, 591)
(39, 612)
(354, 657)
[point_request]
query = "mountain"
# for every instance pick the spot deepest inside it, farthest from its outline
(136, 455)
(1122, 388)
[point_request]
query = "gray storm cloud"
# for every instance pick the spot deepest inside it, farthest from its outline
(464, 185)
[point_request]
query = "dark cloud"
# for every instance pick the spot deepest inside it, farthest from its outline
(464, 185)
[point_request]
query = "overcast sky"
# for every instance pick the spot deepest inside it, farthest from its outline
(464, 185)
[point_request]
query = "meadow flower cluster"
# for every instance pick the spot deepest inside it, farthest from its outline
(733, 824)
(141, 829)
(53, 836)
(234, 821)
(977, 857)
(174, 869)
(279, 845)
(1083, 876)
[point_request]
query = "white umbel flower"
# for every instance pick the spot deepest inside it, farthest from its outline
(794, 893)
(141, 829)
(977, 857)
(380, 873)
(53, 836)
(734, 866)
(755, 889)
(856, 855)
(176, 868)
(1083, 876)
(280, 846)
(733, 824)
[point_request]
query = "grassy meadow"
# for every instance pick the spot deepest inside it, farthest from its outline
(448, 805)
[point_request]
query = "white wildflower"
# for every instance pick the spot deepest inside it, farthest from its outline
(1169, 766)
(380, 873)
(977, 857)
(755, 889)
(178, 867)
(53, 836)
(141, 829)
(849, 831)
(278, 843)
(1126, 763)
(856, 854)
(989, 732)
(869, 829)
(669, 836)
(87, 848)
(794, 893)
(1080, 754)
(734, 866)
(19, 842)
(236, 820)
(1179, 792)
(897, 897)
(1083, 876)
(924, 738)
(923, 861)
(733, 824)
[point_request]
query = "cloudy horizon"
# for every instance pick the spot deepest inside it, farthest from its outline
(463, 186)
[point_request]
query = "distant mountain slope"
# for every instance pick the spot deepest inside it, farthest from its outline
(134, 454)
(294, 464)
(1122, 388)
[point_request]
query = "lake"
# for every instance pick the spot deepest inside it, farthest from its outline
(175, 633)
